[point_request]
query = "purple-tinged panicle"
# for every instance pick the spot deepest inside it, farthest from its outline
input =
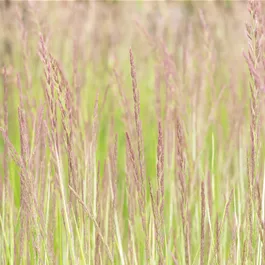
(255, 60)
(138, 123)
(5, 104)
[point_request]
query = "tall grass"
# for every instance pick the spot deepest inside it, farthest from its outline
(145, 155)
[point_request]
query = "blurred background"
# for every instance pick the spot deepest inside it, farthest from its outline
(204, 42)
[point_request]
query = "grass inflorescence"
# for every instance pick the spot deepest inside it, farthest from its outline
(132, 133)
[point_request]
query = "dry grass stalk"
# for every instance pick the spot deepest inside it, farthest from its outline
(217, 241)
(31, 215)
(130, 186)
(59, 90)
(160, 173)
(255, 61)
(202, 223)
(65, 99)
(131, 193)
(219, 227)
(181, 176)
(50, 93)
(157, 198)
(228, 202)
(250, 211)
(261, 227)
(113, 158)
(139, 188)
(158, 93)
(93, 143)
(5, 158)
(58, 94)
(255, 64)
(233, 248)
(93, 219)
(97, 258)
(138, 125)
(26, 195)
(139, 177)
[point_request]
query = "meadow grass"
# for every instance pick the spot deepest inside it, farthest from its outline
(132, 136)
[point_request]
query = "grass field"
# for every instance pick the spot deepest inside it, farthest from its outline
(132, 133)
